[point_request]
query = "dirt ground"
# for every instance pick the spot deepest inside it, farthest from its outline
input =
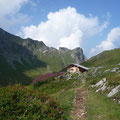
(79, 111)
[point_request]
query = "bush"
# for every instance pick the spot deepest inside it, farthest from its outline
(46, 76)
(18, 102)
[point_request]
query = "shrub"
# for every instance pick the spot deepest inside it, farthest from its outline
(46, 76)
(18, 102)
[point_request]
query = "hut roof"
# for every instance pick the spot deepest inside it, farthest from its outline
(80, 66)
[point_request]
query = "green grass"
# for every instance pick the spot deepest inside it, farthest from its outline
(105, 58)
(65, 98)
(53, 86)
(99, 107)
(8, 75)
(63, 92)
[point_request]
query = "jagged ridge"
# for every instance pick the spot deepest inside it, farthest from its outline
(23, 59)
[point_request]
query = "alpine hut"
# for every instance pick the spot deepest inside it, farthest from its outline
(73, 68)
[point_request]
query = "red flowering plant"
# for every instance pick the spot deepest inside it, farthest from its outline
(45, 78)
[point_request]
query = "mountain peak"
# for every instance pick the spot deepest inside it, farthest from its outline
(26, 55)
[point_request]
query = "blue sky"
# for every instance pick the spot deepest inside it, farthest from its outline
(93, 25)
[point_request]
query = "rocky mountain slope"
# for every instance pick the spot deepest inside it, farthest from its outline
(104, 75)
(23, 59)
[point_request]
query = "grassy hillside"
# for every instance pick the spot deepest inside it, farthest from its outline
(110, 57)
(100, 107)
(105, 65)
(51, 100)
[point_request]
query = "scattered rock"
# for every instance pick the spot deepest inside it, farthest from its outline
(63, 91)
(92, 86)
(102, 88)
(115, 69)
(118, 64)
(118, 101)
(79, 74)
(83, 81)
(108, 88)
(100, 67)
(75, 84)
(99, 73)
(60, 76)
(95, 71)
(114, 91)
(101, 82)
(68, 77)
(75, 78)
(114, 99)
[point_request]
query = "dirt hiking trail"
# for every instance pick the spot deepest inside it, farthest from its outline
(79, 111)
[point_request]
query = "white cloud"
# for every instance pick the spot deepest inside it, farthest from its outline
(9, 13)
(11, 22)
(109, 43)
(10, 7)
(65, 28)
(72, 41)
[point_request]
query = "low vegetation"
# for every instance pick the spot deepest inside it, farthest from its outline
(18, 102)
(51, 95)
(46, 100)
(106, 58)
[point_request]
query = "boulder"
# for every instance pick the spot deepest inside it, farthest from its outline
(101, 82)
(68, 77)
(102, 88)
(114, 91)
(115, 69)
(118, 64)
(118, 101)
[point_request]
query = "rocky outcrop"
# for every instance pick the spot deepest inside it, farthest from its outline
(76, 54)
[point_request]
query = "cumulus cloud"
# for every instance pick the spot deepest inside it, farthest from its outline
(9, 13)
(64, 28)
(109, 43)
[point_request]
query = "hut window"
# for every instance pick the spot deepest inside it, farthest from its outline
(71, 69)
